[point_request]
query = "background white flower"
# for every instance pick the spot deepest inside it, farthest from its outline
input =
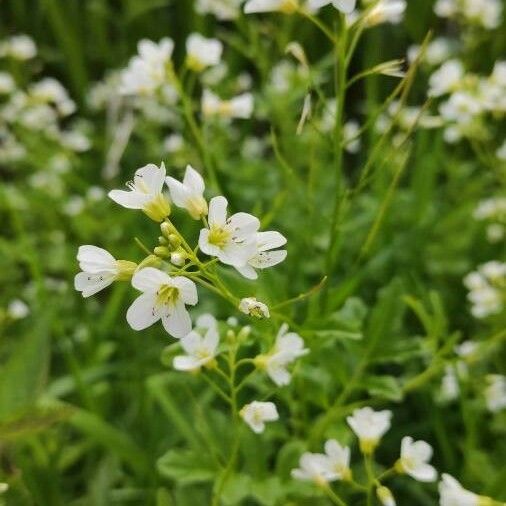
(415, 456)
(369, 426)
(164, 297)
(256, 413)
(202, 52)
(314, 467)
(451, 493)
(240, 106)
(190, 193)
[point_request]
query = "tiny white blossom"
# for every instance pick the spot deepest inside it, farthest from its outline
(495, 393)
(224, 10)
(288, 347)
(414, 459)
(17, 309)
(7, 83)
(202, 52)
(256, 413)
(200, 345)
(452, 493)
(147, 71)
(240, 106)
(145, 192)
(447, 78)
(164, 297)
(190, 193)
(99, 270)
(232, 239)
(386, 11)
(264, 257)
(314, 467)
(369, 426)
(253, 307)
(339, 459)
(19, 47)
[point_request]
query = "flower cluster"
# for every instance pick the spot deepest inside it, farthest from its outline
(493, 212)
(234, 241)
(483, 13)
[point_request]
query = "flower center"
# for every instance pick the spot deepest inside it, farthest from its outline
(288, 6)
(219, 237)
(167, 295)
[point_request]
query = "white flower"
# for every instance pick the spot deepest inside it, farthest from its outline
(253, 307)
(314, 467)
(145, 192)
(232, 239)
(495, 393)
(99, 270)
(164, 297)
(240, 106)
(447, 78)
(202, 52)
(173, 143)
(17, 309)
(256, 413)
(4, 487)
(200, 345)
(51, 91)
(190, 193)
(345, 6)
(351, 134)
(339, 459)
(263, 256)
(466, 349)
(284, 6)
(369, 426)
(415, 456)
(451, 493)
(385, 496)
(486, 286)
(445, 8)
(147, 71)
(288, 347)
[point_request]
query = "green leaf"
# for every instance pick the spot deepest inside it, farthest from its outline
(187, 466)
(386, 387)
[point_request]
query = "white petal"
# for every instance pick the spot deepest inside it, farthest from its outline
(317, 4)
(206, 321)
(193, 180)
(185, 363)
(150, 279)
(178, 192)
(253, 6)
(177, 321)
(152, 176)
(424, 472)
(266, 259)
(191, 342)
(236, 254)
(279, 375)
(345, 6)
(89, 284)
(243, 225)
(211, 340)
(93, 259)
(129, 199)
(247, 271)
(187, 289)
(270, 240)
(143, 312)
(218, 211)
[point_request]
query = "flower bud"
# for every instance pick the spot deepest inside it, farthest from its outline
(385, 496)
(167, 229)
(162, 251)
(178, 258)
(174, 240)
(150, 261)
(162, 240)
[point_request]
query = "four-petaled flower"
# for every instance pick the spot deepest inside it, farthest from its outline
(99, 270)
(288, 347)
(232, 239)
(200, 345)
(190, 193)
(415, 456)
(145, 193)
(369, 426)
(240, 106)
(315, 467)
(256, 413)
(202, 52)
(263, 256)
(164, 297)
